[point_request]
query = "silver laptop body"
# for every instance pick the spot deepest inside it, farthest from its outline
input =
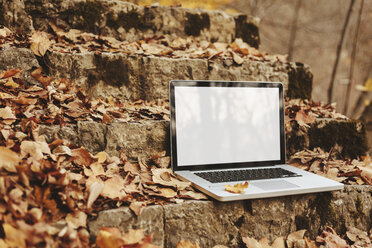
(219, 126)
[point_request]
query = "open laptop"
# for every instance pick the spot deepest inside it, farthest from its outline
(225, 132)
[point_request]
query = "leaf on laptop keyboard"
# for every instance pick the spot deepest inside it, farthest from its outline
(237, 188)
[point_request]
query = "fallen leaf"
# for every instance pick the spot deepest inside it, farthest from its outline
(237, 188)
(36, 149)
(101, 157)
(133, 236)
(114, 188)
(8, 159)
(251, 242)
(109, 237)
(13, 236)
(187, 244)
(295, 237)
(45, 81)
(76, 220)
(137, 207)
(329, 238)
(6, 114)
(40, 43)
(82, 157)
(10, 73)
(95, 190)
(160, 174)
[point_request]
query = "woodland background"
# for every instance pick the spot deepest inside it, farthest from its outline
(309, 32)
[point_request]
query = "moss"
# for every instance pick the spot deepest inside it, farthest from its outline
(348, 134)
(300, 81)
(132, 19)
(247, 31)
(195, 23)
(90, 12)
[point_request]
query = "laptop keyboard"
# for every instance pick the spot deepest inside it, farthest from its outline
(245, 175)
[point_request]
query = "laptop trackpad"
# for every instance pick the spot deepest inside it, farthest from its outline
(273, 185)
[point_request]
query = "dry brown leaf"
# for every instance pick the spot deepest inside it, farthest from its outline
(82, 157)
(133, 236)
(101, 157)
(329, 238)
(10, 73)
(192, 195)
(45, 81)
(109, 237)
(14, 237)
(36, 149)
(278, 243)
(295, 237)
(132, 168)
(251, 242)
(6, 114)
(95, 189)
(187, 244)
(8, 159)
(237, 59)
(160, 174)
(76, 220)
(237, 188)
(40, 43)
(137, 207)
(114, 188)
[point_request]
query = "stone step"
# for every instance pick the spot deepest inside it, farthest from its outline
(346, 137)
(128, 21)
(214, 223)
(130, 77)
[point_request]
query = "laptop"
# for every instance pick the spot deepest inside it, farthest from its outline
(226, 132)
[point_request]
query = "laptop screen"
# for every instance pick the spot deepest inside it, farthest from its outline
(226, 123)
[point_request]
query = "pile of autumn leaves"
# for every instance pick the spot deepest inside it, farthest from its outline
(77, 41)
(47, 191)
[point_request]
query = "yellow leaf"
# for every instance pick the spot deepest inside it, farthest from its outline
(236, 188)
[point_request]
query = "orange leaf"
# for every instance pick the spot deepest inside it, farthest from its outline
(236, 188)
(45, 81)
(10, 73)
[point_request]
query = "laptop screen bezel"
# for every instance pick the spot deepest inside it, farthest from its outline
(215, 83)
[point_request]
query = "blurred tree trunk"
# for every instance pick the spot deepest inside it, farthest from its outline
(292, 36)
(339, 46)
(353, 56)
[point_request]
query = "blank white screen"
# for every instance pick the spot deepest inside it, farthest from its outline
(227, 125)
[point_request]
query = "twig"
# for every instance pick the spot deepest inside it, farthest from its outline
(353, 56)
(339, 46)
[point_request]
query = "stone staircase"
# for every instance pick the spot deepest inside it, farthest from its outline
(140, 76)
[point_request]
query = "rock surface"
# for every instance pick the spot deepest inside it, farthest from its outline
(132, 77)
(127, 21)
(346, 137)
(214, 223)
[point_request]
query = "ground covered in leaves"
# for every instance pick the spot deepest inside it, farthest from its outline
(49, 190)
